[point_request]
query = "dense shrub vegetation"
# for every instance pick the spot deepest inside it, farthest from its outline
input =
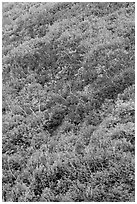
(68, 102)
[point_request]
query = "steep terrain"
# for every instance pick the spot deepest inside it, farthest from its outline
(68, 102)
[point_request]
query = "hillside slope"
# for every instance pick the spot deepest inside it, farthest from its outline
(68, 102)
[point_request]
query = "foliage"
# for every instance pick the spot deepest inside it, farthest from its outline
(68, 104)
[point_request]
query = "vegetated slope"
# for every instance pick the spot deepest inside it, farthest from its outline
(68, 102)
